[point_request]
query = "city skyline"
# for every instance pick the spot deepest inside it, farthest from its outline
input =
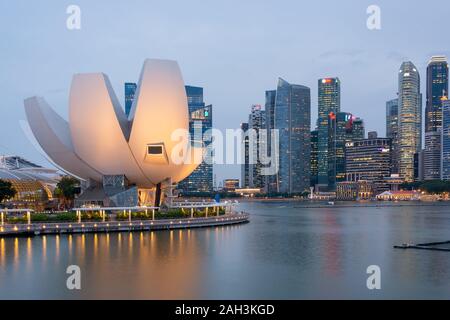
(354, 54)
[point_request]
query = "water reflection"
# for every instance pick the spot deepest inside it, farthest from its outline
(294, 253)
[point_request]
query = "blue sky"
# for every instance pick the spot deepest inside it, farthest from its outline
(234, 49)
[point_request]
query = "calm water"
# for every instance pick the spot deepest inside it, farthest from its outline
(286, 252)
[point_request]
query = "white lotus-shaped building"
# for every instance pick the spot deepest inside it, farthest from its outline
(111, 152)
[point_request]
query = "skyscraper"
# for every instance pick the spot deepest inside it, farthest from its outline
(410, 118)
(245, 166)
(340, 132)
(359, 130)
(445, 157)
(392, 130)
(270, 180)
(314, 152)
(200, 120)
(329, 102)
(130, 91)
(256, 122)
(437, 88)
(432, 155)
(369, 160)
(293, 120)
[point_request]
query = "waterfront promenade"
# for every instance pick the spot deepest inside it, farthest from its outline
(33, 229)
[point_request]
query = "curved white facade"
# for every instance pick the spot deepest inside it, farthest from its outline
(99, 140)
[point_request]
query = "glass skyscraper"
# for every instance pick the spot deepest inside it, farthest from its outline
(245, 166)
(329, 102)
(314, 153)
(392, 130)
(256, 122)
(293, 120)
(340, 132)
(270, 180)
(437, 88)
(410, 118)
(432, 155)
(200, 118)
(130, 91)
(445, 158)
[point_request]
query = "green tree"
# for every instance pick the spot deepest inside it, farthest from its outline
(7, 191)
(66, 190)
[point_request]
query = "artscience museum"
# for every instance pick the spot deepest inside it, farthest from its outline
(121, 161)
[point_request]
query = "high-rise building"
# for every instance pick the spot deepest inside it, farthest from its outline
(245, 166)
(293, 121)
(340, 132)
(200, 120)
(369, 160)
(372, 135)
(329, 102)
(359, 131)
(130, 91)
(392, 130)
(270, 180)
(445, 157)
(256, 122)
(314, 153)
(432, 155)
(410, 118)
(437, 88)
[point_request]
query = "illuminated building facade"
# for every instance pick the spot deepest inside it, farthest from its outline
(445, 169)
(245, 166)
(293, 121)
(200, 120)
(314, 160)
(354, 190)
(34, 185)
(369, 160)
(392, 130)
(410, 118)
(437, 88)
(256, 122)
(340, 132)
(329, 96)
(432, 155)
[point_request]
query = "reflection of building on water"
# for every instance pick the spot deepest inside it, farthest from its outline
(34, 184)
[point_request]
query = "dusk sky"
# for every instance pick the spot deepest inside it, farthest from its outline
(234, 49)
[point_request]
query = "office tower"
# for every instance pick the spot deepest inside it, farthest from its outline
(392, 131)
(445, 157)
(410, 118)
(329, 102)
(369, 160)
(372, 135)
(340, 132)
(293, 120)
(314, 153)
(437, 88)
(256, 122)
(432, 155)
(245, 163)
(270, 180)
(200, 120)
(359, 131)
(130, 91)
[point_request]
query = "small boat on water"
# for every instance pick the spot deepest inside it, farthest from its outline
(331, 203)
